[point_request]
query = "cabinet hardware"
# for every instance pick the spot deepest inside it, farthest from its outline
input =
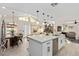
(48, 48)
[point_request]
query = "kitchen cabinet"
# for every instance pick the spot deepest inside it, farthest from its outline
(61, 41)
(41, 45)
(40, 49)
(47, 48)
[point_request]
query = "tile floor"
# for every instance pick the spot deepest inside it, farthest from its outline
(71, 49)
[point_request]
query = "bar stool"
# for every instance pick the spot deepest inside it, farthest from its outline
(3, 47)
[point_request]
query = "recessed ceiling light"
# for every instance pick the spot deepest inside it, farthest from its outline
(4, 7)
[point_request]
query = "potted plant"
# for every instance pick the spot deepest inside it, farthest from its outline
(12, 32)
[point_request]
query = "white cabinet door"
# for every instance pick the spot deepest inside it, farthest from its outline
(47, 48)
(35, 48)
(61, 42)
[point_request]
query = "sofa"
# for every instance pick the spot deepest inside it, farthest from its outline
(71, 35)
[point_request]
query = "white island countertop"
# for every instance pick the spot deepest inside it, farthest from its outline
(42, 37)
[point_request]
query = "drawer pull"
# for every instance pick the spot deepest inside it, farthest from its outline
(48, 48)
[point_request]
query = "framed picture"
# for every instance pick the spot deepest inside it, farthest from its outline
(59, 28)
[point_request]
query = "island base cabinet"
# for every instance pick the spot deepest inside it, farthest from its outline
(35, 48)
(61, 42)
(40, 49)
(47, 48)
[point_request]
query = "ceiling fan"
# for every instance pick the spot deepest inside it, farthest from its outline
(74, 22)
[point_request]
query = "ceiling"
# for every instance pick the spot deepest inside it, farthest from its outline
(25, 8)
(63, 11)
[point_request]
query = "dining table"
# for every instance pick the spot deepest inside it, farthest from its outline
(10, 41)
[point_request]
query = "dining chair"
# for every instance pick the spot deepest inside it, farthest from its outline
(3, 46)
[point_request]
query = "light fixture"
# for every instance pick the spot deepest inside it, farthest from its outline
(47, 15)
(43, 13)
(20, 18)
(37, 22)
(26, 19)
(13, 17)
(51, 17)
(32, 20)
(23, 19)
(4, 7)
(37, 11)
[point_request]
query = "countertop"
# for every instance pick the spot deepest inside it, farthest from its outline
(43, 38)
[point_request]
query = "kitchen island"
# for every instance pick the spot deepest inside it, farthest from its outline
(45, 45)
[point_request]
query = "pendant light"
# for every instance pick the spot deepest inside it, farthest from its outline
(13, 17)
(37, 12)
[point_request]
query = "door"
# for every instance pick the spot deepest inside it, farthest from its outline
(55, 46)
